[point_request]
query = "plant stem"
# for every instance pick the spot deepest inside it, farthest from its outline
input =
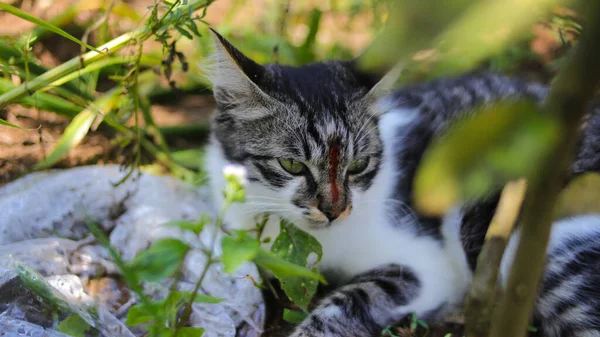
(187, 311)
(481, 298)
(568, 100)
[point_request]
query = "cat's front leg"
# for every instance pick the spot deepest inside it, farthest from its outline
(364, 307)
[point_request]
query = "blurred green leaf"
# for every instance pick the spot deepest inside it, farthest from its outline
(411, 26)
(17, 12)
(191, 332)
(294, 316)
(499, 143)
(139, 314)
(238, 249)
(199, 298)
(161, 260)
(295, 245)
(73, 326)
(581, 196)
(10, 125)
(190, 158)
(193, 226)
(454, 39)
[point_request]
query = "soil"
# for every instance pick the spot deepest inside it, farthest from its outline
(21, 149)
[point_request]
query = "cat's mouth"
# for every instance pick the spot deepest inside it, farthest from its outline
(318, 220)
(318, 224)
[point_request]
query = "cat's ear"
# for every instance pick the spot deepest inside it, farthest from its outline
(386, 83)
(235, 77)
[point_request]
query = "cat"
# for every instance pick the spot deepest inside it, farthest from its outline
(325, 149)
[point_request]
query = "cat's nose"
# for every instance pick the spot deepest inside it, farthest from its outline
(332, 214)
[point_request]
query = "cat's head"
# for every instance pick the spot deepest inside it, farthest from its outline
(307, 136)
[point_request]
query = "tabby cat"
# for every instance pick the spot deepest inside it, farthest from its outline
(325, 150)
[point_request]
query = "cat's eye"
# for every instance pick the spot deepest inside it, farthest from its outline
(358, 166)
(292, 166)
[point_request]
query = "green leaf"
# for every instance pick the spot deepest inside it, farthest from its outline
(452, 40)
(200, 298)
(499, 143)
(190, 158)
(281, 268)
(193, 27)
(73, 134)
(160, 261)
(237, 250)
(193, 226)
(184, 32)
(295, 245)
(581, 196)
(74, 326)
(139, 314)
(191, 332)
(5, 123)
(17, 12)
(294, 316)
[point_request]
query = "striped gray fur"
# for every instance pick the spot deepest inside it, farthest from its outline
(326, 116)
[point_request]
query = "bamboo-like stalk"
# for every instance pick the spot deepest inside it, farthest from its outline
(481, 298)
(45, 101)
(88, 58)
(568, 100)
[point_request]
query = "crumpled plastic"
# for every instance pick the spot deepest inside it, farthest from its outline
(43, 229)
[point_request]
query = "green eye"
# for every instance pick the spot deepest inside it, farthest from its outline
(358, 166)
(292, 166)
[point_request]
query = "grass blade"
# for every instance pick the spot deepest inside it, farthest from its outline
(10, 125)
(17, 12)
(74, 133)
(72, 136)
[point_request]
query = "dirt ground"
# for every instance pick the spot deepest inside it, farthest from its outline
(21, 149)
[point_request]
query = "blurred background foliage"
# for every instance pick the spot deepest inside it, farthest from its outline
(148, 101)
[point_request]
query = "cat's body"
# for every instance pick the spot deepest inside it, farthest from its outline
(303, 135)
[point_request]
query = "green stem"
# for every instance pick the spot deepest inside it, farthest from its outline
(187, 311)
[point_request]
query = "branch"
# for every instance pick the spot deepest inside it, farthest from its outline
(568, 100)
(482, 294)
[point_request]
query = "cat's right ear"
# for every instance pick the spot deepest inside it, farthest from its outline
(235, 77)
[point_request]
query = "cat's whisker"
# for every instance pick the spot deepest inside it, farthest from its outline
(366, 134)
(369, 119)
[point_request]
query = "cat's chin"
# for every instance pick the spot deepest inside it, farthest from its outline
(313, 224)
